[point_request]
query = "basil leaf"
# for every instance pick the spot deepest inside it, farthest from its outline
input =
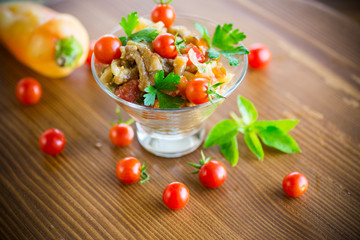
(221, 133)
(284, 125)
(247, 110)
(230, 151)
(167, 101)
(147, 35)
(123, 40)
(274, 137)
(254, 144)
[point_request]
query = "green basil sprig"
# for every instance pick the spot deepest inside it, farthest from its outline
(271, 133)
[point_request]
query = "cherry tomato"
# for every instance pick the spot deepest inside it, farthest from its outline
(164, 45)
(196, 90)
(28, 91)
(212, 174)
(52, 141)
(164, 13)
(295, 184)
(199, 55)
(90, 53)
(128, 170)
(182, 85)
(107, 48)
(121, 134)
(176, 195)
(259, 57)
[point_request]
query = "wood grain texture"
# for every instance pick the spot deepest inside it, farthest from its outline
(314, 77)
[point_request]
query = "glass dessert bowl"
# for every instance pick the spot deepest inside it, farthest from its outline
(174, 132)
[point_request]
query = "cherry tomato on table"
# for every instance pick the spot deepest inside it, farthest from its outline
(163, 12)
(212, 173)
(28, 91)
(129, 170)
(295, 184)
(121, 134)
(259, 57)
(176, 195)
(52, 141)
(164, 45)
(107, 48)
(196, 90)
(90, 53)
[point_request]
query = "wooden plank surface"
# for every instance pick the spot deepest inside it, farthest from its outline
(314, 77)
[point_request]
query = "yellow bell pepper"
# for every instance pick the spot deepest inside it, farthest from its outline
(51, 43)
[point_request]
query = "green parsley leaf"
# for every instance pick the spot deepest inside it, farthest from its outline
(147, 35)
(212, 53)
(254, 144)
(224, 37)
(247, 110)
(230, 151)
(284, 125)
(123, 40)
(130, 23)
(149, 98)
(204, 32)
(163, 84)
(274, 137)
(221, 133)
(166, 84)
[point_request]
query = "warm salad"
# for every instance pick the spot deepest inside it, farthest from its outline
(167, 66)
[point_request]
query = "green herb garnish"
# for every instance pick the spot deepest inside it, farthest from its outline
(129, 24)
(163, 84)
(271, 133)
(226, 39)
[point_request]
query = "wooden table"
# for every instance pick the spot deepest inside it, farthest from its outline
(314, 77)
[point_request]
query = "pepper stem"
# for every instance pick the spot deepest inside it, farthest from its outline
(67, 52)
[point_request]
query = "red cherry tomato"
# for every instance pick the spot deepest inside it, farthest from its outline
(212, 174)
(90, 53)
(182, 85)
(295, 184)
(176, 195)
(164, 13)
(196, 90)
(28, 91)
(199, 55)
(259, 57)
(107, 48)
(52, 141)
(121, 134)
(164, 45)
(128, 170)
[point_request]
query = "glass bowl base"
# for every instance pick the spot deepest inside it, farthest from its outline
(170, 146)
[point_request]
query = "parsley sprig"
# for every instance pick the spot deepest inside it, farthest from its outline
(163, 84)
(129, 24)
(271, 133)
(226, 39)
